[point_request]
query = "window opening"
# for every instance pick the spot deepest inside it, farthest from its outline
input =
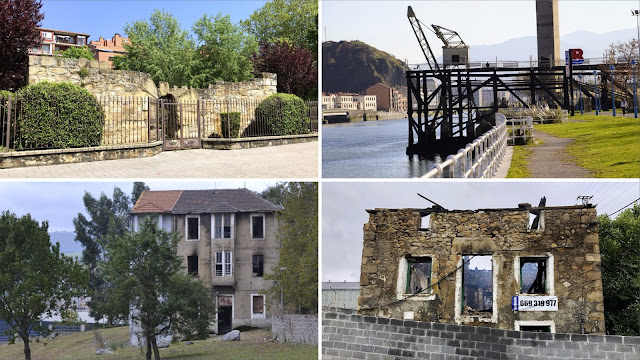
(535, 222)
(258, 265)
(193, 228)
(258, 304)
(223, 263)
(192, 265)
(534, 328)
(222, 226)
(477, 285)
(425, 222)
(418, 274)
(533, 275)
(257, 226)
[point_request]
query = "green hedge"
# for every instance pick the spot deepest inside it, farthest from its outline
(234, 121)
(58, 116)
(282, 114)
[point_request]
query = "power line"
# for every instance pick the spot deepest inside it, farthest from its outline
(624, 207)
(612, 199)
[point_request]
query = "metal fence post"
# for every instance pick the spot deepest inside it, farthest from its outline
(8, 124)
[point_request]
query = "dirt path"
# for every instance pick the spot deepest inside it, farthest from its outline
(551, 160)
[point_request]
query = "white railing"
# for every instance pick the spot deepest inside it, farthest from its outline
(479, 159)
(520, 128)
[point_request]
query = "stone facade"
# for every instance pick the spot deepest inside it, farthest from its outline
(350, 336)
(565, 243)
(296, 328)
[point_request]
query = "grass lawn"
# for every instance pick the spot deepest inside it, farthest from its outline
(608, 146)
(520, 161)
(81, 346)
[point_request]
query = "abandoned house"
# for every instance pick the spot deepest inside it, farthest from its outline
(526, 268)
(228, 239)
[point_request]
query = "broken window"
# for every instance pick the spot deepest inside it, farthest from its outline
(477, 285)
(425, 222)
(258, 265)
(535, 328)
(193, 228)
(223, 263)
(533, 275)
(257, 304)
(192, 265)
(418, 275)
(222, 226)
(257, 226)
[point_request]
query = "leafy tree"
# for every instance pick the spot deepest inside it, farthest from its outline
(138, 188)
(82, 52)
(147, 274)
(298, 234)
(36, 280)
(620, 254)
(108, 218)
(161, 48)
(293, 21)
(224, 50)
(19, 20)
(297, 71)
(275, 194)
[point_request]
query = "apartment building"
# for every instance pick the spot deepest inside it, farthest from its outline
(228, 239)
(349, 101)
(53, 41)
(105, 49)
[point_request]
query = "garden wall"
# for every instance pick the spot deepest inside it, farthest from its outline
(347, 336)
(301, 329)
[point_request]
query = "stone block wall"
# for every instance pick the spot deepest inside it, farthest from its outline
(568, 237)
(346, 335)
(301, 329)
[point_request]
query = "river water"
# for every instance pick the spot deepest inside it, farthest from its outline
(372, 149)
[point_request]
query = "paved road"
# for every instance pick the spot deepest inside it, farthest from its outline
(283, 161)
(551, 160)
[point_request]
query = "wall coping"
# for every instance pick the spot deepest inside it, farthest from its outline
(25, 153)
(260, 138)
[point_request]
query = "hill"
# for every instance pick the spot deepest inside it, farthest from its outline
(353, 66)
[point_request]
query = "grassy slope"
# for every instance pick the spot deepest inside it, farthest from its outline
(519, 162)
(608, 146)
(81, 346)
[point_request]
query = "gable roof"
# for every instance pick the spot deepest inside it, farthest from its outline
(156, 201)
(202, 201)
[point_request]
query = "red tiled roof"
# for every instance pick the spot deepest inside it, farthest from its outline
(156, 201)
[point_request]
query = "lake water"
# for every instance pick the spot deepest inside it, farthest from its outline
(372, 149)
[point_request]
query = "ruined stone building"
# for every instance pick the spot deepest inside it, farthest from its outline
(228, 239)
(526, 268)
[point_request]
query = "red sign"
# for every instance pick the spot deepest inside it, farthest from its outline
(225, 301)
(576, 54)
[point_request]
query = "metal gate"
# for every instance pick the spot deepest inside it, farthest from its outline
(180, 124)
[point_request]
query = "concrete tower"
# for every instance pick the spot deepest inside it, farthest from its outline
(548, 32)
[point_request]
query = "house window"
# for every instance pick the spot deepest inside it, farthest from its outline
(477, 285)
(47, 35)
(258, 265)
(418, 275)
(534, 328)
(81, 40)
(192, 265)
(222, 226)
(46, 49)
(533, 275)
(257, 226)
(223, 263)
(257, 306)
(536, 220)
(193, 228)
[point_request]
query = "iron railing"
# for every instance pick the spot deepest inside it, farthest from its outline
(141, 120)
(520, 130)
(479, 159)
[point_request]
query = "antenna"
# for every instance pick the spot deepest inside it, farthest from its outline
(585, 199)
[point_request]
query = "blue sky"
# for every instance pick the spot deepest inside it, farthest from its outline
(60, 202)
(105, 18)
(384, 24)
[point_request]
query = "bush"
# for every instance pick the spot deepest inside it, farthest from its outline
(234, 121)
(82, 52)
(58, 116)
(282, 114)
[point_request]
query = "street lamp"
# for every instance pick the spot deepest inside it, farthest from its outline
(635, 94)
(636, 13)
(580, 87)
(613, 94)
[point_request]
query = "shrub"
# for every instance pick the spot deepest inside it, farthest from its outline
(58, 116)
(232, 119)
(84, 72)
(5, 94)
(282, 114)
(82, 52)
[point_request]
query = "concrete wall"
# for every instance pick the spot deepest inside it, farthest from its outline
(548, 30)
(568, 239)
(301, 329)
(346, 336)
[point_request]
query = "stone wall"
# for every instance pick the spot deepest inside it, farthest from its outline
(568, 239)
(350, 336)
(301, 329)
